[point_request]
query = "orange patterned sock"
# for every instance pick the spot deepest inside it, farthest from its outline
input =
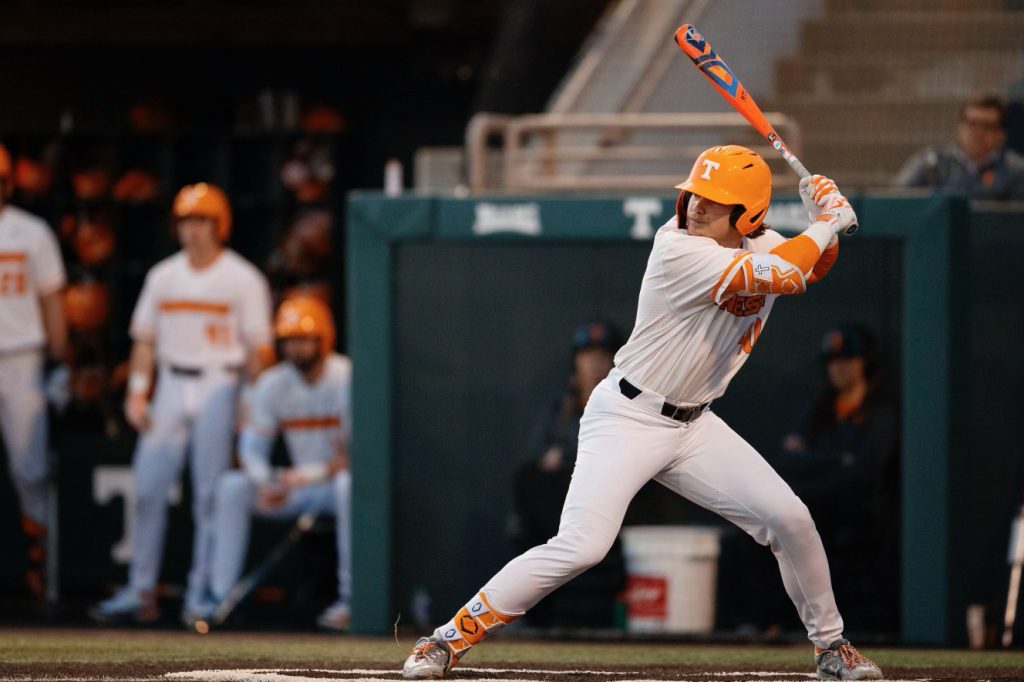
(471, 624)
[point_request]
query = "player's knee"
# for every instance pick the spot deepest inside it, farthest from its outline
(794, 522)
(234, 487)
(583, 547)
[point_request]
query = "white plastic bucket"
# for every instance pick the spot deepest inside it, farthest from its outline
(671, 576)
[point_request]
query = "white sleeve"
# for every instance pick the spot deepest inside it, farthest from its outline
(262, 417)
(143, 325)
(254, 451)
(256, 312)
(694, 268)
(47, 265)
(345, 431)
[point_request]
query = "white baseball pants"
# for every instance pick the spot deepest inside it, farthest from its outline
(186, 411)
(624, 444)
(237, 503)
(23, 422)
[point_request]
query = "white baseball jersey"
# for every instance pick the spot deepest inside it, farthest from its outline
(30, 267)
(314, 418)
(690, 337)
(206, 317)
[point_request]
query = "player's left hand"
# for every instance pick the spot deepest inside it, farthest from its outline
(136, 411)
(272, 496)
(814, 193)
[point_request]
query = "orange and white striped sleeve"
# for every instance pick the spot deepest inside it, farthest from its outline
(751, 274)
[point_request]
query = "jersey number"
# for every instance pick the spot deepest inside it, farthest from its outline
(12, 283)
(750, 337)
(219, 334)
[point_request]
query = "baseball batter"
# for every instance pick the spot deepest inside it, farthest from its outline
(202, 323)
(712, 278)
(31, 326)
(306, 398)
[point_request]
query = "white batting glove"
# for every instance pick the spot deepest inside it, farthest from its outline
(837, 214)
(814, 192)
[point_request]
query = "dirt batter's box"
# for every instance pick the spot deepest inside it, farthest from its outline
(457, 311)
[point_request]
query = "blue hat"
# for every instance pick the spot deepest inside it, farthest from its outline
(847, 341)
(596, 334)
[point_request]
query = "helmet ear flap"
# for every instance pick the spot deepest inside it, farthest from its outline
(736, 214)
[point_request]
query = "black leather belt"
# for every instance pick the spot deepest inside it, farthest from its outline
(195, 372)
(680, 414)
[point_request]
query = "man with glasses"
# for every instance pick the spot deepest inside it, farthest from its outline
(979, 165)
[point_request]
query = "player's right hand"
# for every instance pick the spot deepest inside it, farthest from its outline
(136, 411)
(838, 213)
(814, 192)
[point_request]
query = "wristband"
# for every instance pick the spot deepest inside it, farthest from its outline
(313, 472)
(139, 382)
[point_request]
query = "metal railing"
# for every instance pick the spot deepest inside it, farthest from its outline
(557, 152)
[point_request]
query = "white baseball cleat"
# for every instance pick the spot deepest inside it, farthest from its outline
(841, 661)
(126, 606)
(430, 660)
(336, 617)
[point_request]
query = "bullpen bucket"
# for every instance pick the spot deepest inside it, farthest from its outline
(672, 572)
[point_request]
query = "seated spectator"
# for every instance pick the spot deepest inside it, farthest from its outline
(307, 398)
(979, 165)
(848, 441)
(541, 484)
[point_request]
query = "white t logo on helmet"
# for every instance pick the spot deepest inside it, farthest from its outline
(709, 166)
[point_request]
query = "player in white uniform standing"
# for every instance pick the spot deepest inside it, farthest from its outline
(305, 397)
(202, 322)
(31, 326)
(712, 278)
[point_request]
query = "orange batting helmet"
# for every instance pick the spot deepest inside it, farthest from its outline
(731, 175)
(305, 316)
(206, 201)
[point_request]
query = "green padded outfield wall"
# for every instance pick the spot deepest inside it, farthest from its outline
(460, 314)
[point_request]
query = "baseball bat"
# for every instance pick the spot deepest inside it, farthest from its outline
(696, 47)
(244, 587)
(1015, 556)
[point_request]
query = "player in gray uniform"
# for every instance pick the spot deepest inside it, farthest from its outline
(306, 398)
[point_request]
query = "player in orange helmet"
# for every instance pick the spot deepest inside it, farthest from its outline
(307, 399)
(714, 273)
(202, 322)
(32, 327)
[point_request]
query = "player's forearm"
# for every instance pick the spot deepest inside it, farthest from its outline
(825, 262)
(806, 249)
(141, 365)
(55, 325)
(254, 451)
